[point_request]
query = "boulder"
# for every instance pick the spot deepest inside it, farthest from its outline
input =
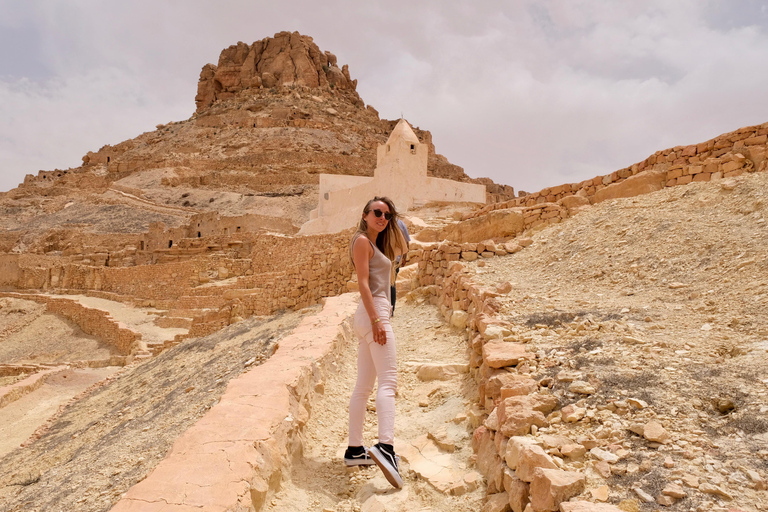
(517, 414)
(440, 371)
(550, 487)
(517, 491)
(486, 451)
(643, 183)
(498, 354)
(529, 459)
(498, 502)
(571, 202)
(513, 383)
(515, 446)
(655, 432)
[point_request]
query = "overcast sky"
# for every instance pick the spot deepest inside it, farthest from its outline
(528, 93)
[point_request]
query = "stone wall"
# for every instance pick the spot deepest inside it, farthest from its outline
(516, 469)
(95, 322)
(39, 375)
(728, 155)
(264, 274)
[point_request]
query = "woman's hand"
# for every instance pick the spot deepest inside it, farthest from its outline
(379, 333)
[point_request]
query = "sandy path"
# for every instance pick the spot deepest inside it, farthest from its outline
(320, 480)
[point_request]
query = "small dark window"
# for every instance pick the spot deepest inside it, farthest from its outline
(238, 229)
(413, 149)
(198, 234)
(170, 243)
(107, 159)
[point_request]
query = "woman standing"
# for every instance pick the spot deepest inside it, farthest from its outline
(377, 242)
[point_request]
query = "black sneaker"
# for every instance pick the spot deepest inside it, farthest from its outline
(357, 456)
(385, 458)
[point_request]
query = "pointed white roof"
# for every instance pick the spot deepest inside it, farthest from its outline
(403, 131)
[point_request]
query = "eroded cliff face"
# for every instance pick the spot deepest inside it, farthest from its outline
(287, 59)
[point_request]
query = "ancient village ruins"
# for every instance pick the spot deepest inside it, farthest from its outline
(174, 317)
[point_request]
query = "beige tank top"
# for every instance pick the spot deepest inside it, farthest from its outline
(379, 271)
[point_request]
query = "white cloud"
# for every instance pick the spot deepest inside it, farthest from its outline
(529, 93)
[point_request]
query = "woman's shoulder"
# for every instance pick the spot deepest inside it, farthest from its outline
(360, 240)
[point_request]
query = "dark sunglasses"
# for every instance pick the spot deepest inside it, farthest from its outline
(378, 213)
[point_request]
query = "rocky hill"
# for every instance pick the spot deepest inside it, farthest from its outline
(271, 116)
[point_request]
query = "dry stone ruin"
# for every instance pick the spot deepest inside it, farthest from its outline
(170, 267)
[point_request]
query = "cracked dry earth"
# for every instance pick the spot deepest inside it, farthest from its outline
(652, 308)
(432, 431)
(114, 433)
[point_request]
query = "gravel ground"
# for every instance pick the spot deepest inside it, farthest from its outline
(662, 298)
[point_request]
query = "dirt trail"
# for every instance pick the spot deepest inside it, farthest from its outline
(436, 470)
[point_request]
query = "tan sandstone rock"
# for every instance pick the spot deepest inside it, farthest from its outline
(530, 458)
(643, 183)
(550, 487)
(655, 432)
(498, 502)
(517, 491)
(517, 414)
(498, 354)
(512, 383)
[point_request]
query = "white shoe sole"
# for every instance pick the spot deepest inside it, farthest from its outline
(358, 462)
(390, 473)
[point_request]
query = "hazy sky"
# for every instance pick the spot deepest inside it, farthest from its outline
(529, 93)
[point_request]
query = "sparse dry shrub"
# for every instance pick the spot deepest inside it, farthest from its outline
(549, 319)
(749, 422)
(588, 344)
(640, 384)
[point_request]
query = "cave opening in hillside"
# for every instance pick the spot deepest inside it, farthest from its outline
(170, 243)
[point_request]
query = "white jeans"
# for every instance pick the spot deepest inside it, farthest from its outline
(374, 361)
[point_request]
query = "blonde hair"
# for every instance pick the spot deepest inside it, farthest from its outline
(391, 241)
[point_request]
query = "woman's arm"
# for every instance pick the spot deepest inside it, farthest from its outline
(361, 254)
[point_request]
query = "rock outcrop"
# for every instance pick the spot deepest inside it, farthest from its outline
(287, 59)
